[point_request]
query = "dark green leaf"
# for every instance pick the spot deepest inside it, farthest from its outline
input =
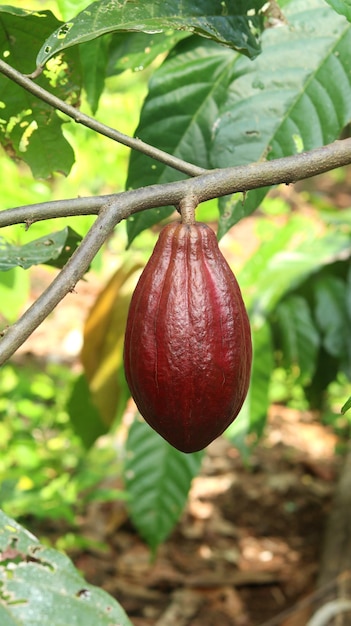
(298, 338)
(235, 24)
(347, 406)
(54, 249)
(39, 585)
(29, 128)
(333, 319)
(341, 6)
(178, 116)
(84, 415)
(158, 479)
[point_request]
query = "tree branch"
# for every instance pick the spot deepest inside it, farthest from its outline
(212, 184)
(114, 208)
(90, 122)
(65, 281)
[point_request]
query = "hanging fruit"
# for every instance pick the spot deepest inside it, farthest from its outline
(187, 352)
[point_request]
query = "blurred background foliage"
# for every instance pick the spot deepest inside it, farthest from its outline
(60, 445)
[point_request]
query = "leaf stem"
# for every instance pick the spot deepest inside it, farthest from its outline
(99, 127)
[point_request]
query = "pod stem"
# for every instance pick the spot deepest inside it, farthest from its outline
(187, 207)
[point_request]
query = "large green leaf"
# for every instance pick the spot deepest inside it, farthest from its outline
(298, 338)
(179, 115)
(29, 128)
(294, 97)
(39, 585)
(214, 107)
(54, 249)
(235, 24)
(158, 479)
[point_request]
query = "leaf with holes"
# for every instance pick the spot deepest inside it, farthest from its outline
(30, 129)
(39, 585)
(54, 249)
(158, 479)
(235, 24)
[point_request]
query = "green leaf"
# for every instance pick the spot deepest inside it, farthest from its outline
(347, 406)
(233, 24)
(158, 479)
(30, 129)
(54, 249)
(341, 6)
(287, 100)
(178, 116)
(84, 415)
(253, 415)
(39, 585)
(333, 318)
(298, 338)
(279, 266)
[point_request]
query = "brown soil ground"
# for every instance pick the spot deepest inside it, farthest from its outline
(247, 548)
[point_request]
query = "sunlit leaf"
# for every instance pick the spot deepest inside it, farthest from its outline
(284, 263)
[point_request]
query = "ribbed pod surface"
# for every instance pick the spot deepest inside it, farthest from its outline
(187, 351)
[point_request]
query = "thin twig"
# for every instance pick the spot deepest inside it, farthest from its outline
(90, 122)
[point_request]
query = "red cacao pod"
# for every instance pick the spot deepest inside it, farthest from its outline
(187, 351)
